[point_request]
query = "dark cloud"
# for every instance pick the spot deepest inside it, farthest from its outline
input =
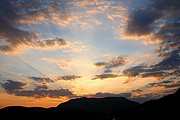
(14, 13)
(159, 74)
(41, 79)
(168, 51)
(141, 20)
(41, 91)
(108, 71)
(8, 32)
(44, 93)
(50, 42)
(102, 95)
(137, 91)
(166, 68)
(69, 77)
(168, 7)
(41, 87)
(100, 64)
(133, 71)
(165, 84)
(11, 86)
(104, 76)
(114, 62)
(150, 95)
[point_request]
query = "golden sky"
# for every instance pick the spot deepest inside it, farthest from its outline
(55, 50)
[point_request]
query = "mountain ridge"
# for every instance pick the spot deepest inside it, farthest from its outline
(165, 107)
(98, 104)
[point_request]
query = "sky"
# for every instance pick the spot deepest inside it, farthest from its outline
(52, 51)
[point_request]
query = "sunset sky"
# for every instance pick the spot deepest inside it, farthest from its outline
(55, 50)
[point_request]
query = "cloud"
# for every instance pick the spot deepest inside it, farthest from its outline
(158, 71)
(47, 12)
(41, 87)
(167, 34)
(170, 91)
(102, 95)
(137, 90)
(8, 32)
(100, 64)
(41, 79)
(129, 81)
(167, 67)
(133, 71)
(112, 63)
(150, 95)
(44, 93)
(49, 42)
(165, 84)
(108, 71)
(90, 10)
(40, 91)
(141, 20)
(108, 65)
(69, 77)
(116, 62)
(11, 85)
(14, 40)
(104, 76)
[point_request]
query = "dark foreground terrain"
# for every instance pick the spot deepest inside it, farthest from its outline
(111, 108)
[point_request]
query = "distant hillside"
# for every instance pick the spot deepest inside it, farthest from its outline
(107, 104)
(167, 103)
(167, 107)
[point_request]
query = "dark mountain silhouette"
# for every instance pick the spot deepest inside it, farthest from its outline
(168, 103)
(167, 107)
(111, 108)
(107, 104)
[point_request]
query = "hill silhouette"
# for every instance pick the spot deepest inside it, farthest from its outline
(110, 108)
(167, 103)
(107, 104)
